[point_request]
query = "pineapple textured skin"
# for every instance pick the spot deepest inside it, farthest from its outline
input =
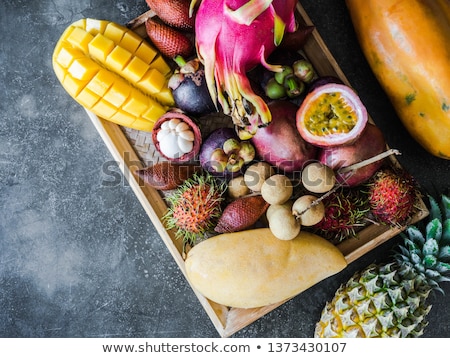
(390, 300)
(381, 301)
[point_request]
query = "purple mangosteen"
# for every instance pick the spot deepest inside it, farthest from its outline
(189, 88)
(223, 154)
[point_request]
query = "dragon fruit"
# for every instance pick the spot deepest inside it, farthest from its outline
(232, 37)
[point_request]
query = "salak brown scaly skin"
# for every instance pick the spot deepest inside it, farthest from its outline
(174, 13)
(169, 41)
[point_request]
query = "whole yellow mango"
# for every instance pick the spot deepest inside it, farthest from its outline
(253, 268)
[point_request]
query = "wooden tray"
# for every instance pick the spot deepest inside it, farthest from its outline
(130, 148)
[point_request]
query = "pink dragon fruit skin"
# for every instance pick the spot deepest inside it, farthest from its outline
(232, 37)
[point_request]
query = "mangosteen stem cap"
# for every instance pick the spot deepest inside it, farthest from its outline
(179, 60)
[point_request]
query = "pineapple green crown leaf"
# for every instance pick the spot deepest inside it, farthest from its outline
(439, 214)
(436, 211)
(427, 249)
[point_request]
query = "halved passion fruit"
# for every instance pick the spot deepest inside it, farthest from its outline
(331, 115)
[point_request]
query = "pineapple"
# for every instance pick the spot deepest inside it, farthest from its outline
(390, 300)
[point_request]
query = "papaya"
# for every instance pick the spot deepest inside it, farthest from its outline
(406, 44)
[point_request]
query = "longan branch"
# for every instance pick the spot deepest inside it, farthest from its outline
(374, 159)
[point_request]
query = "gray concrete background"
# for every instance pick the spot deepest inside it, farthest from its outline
(80, 259)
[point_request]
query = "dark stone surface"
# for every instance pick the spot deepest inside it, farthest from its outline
(81, 259)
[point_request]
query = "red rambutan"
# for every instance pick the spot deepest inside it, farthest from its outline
(392, 196)
(194, 208)
(346, 211)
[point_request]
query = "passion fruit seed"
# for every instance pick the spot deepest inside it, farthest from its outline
(329, 114)
(308, 209)
(318, 178)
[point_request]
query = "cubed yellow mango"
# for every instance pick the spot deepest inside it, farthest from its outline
(83, 68)
(87, 98)
(152, 82)
(118, 59)
(118, 93)
(94, 26)
(67, 54)
(80, 23)
(123, 118)
(130, 41)
(63, 41)
(114, 32)
(113, 72)
(60, 71)
(143, 125)
(154, 112)
(161, 65)
(100, 47)
(136, 104)
(73, 86)
(101, 82)
(104, 109)
(165, 96)
(146, 52)
(135, 70)
(80, 39)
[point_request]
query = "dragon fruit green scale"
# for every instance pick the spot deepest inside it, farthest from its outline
(232, 37)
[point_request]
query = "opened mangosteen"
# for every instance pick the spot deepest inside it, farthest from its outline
(177, 137)
(189, 88)
(223, 154)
